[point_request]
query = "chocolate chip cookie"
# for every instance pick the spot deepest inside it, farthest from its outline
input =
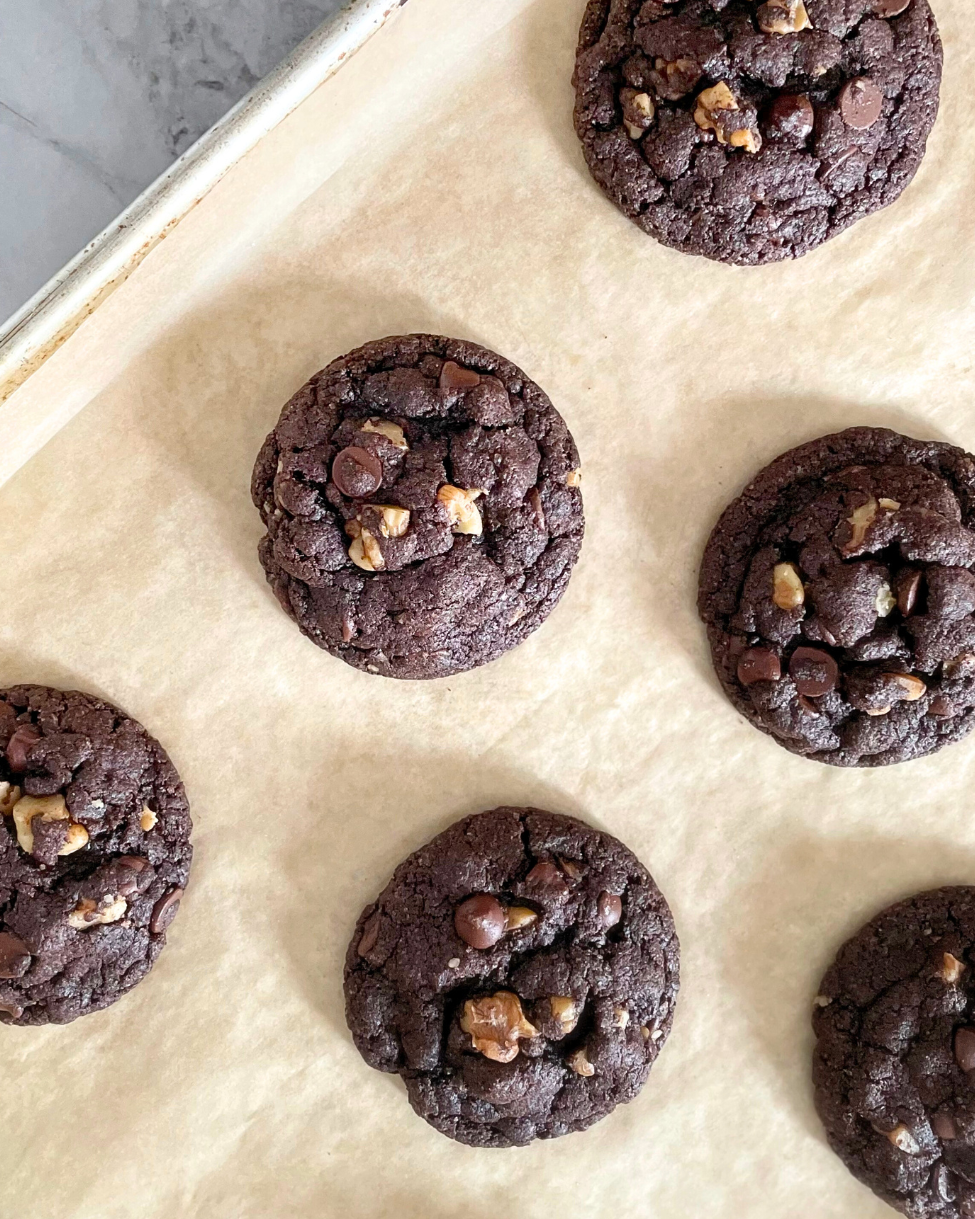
(752, 132)
(422, 505)
(94, 853)
(894, 1066)
(839, 596)
(519, 972)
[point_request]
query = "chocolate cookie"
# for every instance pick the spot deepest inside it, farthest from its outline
(839, 596)
(894, 1067)
(519, 972)
(422, 504)
(753, 132)
(94, 853)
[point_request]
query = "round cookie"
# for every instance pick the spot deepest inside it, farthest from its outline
(94, 853)
(519, 972)
(839, 597)
(753, 132)
(895, 1054)
(422, 505)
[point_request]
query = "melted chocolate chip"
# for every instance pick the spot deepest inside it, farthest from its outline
(861, 103)
(357, 472)
(609, 907)
(546, 875)
(814, 672)
(19, 746)
(370, 934)
(890, 8)
(758, 664)
(908, 586)
(944, 1127)
(164, 911)
(14, 955)
(965, 1048)
(480, 921)
(790, 118)
(453, 376)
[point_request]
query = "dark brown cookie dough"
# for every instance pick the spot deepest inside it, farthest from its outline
(839, 596)
(422, 504)
(894, 1067)
(519, 972)
(754, 132)
(94, 853)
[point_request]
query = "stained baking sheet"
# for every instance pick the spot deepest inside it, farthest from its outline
(436, 184)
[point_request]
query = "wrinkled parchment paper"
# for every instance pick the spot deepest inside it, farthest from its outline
(436, 184)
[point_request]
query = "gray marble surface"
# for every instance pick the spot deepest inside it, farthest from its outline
(97, 97)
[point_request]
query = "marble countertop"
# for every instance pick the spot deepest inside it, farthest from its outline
(97, 97)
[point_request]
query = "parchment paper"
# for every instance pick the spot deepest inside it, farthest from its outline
(436, 184)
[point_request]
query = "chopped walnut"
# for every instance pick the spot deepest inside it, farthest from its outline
(783, 17)
(566, 1011)
(787, 588)
(886, 602)
(912, 686)
(621, 1017)
(9, 795)
(460, 507)
(519, 916)
(638, 112)
(951, 968)
(495, 1024)
(860, 521)
(395, 521)
(713, 113)
(148, 818)
(903, 1140)
(48, 808)
(579, 1063)
(364, 551)
(91, 914)
(573, 478)
(385, 427)
(675, 78)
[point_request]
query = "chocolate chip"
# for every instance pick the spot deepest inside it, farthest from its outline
(357, 472)
(758, 664)
(860, 103)
(348, 627)
(480, 920)
(941, 708)
(135, 862)
(14, 955)
(907, 585)
(535, 500)
(965, 1048)
(813, 671)
(164, 911)
(19, 746)
(890, 8)
(370, 934)
(547, 875)
(11, 1009)
(790, 117)
(453, 376)
(609, 908)
(807, 707)
(944, 1126)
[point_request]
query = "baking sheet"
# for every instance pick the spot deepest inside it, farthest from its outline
(436, 184)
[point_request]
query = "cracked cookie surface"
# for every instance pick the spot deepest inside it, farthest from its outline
(839, 596)
(422, 506)
(519, 972)
(754, 132)
(895, 1054)
(94, 853)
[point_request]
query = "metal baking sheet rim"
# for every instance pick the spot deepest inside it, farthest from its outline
(36, 331)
